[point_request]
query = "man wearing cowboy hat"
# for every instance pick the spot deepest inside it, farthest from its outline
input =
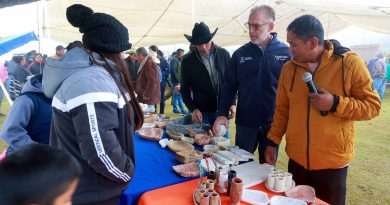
(203, 73)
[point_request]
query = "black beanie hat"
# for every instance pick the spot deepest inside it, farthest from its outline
(102, 32)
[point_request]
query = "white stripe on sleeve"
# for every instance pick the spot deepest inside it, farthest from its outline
(94, 128)
(89, 98)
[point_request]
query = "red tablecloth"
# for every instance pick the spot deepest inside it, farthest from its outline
(181, 194)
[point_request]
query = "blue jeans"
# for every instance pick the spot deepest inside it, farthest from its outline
(162, 86)
(209, 118)
(177, 101)
(383, 88)
(378, 86)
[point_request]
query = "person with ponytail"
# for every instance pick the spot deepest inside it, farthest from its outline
(95, 111)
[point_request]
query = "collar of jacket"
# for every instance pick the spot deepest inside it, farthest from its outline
(272, 41)
(326, 55)
(213, 50)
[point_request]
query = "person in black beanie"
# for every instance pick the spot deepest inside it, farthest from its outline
(95, 111)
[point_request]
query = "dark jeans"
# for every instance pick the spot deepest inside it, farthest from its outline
(329, 184)
(111, 201)
(249, 138)
(163, 83)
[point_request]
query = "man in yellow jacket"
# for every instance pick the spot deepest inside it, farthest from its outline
(320, 146)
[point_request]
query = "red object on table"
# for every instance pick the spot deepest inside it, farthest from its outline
(182, 194)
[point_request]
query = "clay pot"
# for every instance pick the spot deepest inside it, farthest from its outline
(214, 198)
(205, 199)
(236, 191)
(199, 193)
(210, 184)
(202, 185)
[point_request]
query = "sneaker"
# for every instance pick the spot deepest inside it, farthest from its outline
(176, 112)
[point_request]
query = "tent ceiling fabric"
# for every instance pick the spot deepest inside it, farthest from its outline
(164, 22)
(9, 3)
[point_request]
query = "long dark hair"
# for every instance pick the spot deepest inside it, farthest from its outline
(124, 84)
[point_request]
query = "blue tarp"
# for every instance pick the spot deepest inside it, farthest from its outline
(10, 43)
(153, 169)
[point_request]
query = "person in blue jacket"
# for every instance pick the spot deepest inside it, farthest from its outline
(29, 119)
(254, 74)
(165, 71)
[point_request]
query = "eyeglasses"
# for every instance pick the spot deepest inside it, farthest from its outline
(254, 26)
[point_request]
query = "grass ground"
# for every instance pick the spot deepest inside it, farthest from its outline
(368, 176)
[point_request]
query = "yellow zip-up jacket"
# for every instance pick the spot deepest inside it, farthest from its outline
(314, 141)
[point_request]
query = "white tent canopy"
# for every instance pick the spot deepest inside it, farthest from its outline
(164, 22)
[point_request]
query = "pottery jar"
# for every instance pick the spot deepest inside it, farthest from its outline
(199, 193)
(214, 198)
(210, 184)
(205, 199)
(236, 191)
(202, 185)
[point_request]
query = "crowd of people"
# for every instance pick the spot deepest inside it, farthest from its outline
(85, 104)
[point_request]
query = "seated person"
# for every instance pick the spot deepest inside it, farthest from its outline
(38, 174)
(29, 118)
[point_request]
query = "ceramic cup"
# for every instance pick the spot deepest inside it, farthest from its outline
(236, 191)
(199, 193)
(202, 185)
(205, 199)
(210, 184)
(288, 179)
(280, 184)
(214, 198)
(271, 180)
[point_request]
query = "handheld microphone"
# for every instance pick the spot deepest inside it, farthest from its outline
(307, 77)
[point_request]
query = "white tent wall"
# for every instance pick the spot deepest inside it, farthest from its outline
(164, 22)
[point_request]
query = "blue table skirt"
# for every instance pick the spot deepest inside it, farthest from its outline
(153, 169)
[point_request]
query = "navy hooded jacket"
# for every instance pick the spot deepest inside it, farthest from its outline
(254, 75)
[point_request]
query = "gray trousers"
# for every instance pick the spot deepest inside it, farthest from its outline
(249, 138)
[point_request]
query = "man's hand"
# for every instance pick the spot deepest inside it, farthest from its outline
(221, 120)
(269, 155)
(232, 112)
(197, 116)
(322, 101)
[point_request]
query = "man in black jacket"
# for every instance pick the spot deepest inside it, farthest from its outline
(203, 72)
